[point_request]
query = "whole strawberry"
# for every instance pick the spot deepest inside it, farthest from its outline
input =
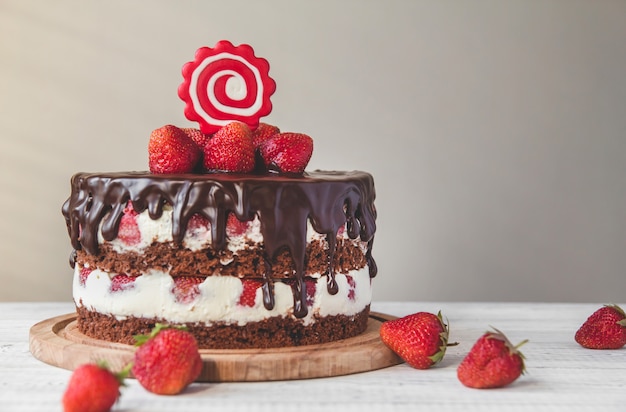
(604, 329)
(420, 339)
(230, 149)
(167, 360)
(491, 363)
(92, 388)
(262, 133)
(287, 152)
(170, 150)
(199, 138)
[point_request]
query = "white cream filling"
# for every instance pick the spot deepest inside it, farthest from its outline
(151, 297)
(160, 230)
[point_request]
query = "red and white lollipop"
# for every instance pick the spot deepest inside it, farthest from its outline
(225, 84)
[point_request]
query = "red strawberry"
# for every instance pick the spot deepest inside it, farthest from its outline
(420, 339)
(341, 231)
(199, 138)
(167, 360)
(604, 329)
(491, 363)
(197, 223)
(287, 152)
(186, 288)
(248, 296)
(235, 227)
(122, 282)
(128, 232)
(263, 133)
(230, 149)
(83, 275)
(170, 150)
(92, 388)
(311, 286)
(352, 286)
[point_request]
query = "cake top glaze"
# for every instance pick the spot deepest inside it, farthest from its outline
(330, 199)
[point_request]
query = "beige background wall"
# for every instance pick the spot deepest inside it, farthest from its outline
(495, 130)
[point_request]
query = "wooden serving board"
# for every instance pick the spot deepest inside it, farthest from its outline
(58, 342)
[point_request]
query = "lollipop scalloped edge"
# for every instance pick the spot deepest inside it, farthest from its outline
(226, 83)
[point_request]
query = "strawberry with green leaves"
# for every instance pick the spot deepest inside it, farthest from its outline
(492, 362)
(419, 339)
(93, 388)
(167, 360)
(604, 329)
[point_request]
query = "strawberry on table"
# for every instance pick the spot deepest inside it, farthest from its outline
(93, 388)
(167, 360)
(170, 150)
(287, 152)
(492, 362)
(604, 329)
(420, 339)
(230, 149)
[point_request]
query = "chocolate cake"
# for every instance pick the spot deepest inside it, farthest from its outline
(183, 249)
(227, 234)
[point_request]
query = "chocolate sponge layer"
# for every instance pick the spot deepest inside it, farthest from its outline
(248, 262)
(270, 333)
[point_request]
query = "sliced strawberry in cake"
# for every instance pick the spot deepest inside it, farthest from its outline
(186, 288)
(121, 282)
(249, 292)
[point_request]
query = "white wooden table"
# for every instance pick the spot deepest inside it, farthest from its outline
(561, 375)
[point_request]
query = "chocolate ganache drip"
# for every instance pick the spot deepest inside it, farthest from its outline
(284, 204)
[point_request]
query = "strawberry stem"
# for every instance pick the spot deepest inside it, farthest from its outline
(158, 327)
(124, 373)
(443, 336)
(516, 347)
(121, 375)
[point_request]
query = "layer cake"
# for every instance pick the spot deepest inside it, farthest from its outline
(242, 260)
(227, 234)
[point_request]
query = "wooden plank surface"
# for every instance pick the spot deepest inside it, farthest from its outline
(58, 342)
(561, 376)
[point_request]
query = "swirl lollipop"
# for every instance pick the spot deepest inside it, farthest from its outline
(225, 84)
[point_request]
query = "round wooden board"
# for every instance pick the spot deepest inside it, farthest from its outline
(58, 342)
